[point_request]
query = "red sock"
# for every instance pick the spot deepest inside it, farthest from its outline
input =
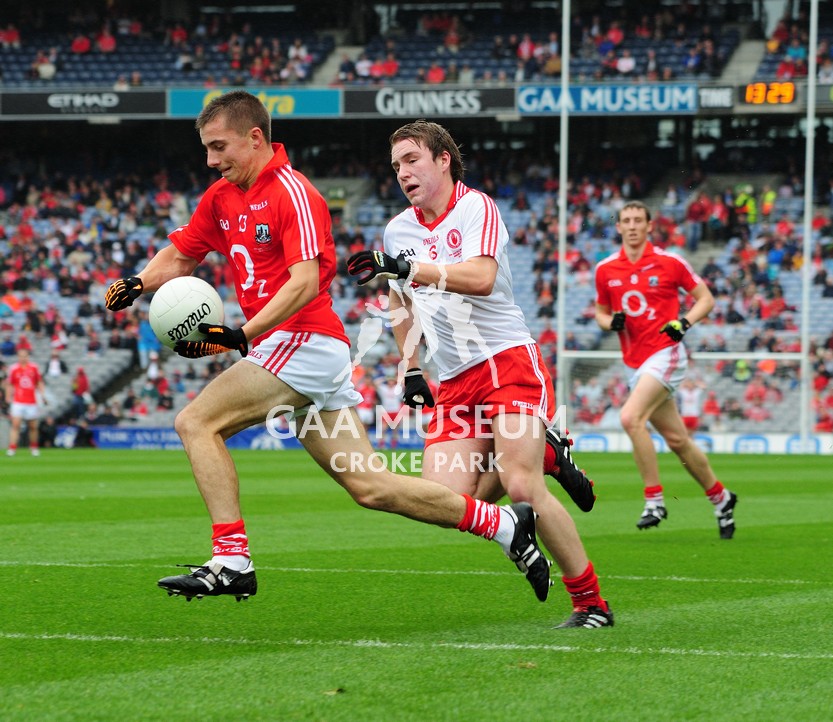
(584, 589)
(481, 518)
(230, 539)
(550, 467)
(654, 493)
(716, 493)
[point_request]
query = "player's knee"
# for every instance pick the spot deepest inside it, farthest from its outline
(629, 420)
(187, 423)
(677, 442)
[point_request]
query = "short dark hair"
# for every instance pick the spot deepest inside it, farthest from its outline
(434, 137)
(243, 111)
(637, 205)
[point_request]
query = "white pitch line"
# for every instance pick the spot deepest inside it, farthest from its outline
(379, 644)
(426, 572)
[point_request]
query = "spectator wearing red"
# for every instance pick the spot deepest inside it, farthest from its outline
(178, 35)
(106, 42)
(435, 74)
(10, 37)
(390, 66)
(80, 44)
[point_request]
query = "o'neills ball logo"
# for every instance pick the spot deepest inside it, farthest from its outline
(454, 239)
(189, 323)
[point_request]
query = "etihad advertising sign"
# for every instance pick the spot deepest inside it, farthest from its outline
(401, 102)
(77, 104)
(645, 99)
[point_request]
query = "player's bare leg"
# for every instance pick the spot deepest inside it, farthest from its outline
(668, 422)
(14, 435)
(241, 396)
(346, 454)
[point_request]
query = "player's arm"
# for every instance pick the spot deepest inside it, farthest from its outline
(676, 328)
(606, 319)
(400, 300)
(417, 392)
(301, 288)
(703, 303)
(168, 263)
(474, 276)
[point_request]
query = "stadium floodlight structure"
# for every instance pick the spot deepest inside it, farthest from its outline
(803, 357)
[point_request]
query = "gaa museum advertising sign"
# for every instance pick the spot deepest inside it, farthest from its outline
(644, 99)
(428, 101)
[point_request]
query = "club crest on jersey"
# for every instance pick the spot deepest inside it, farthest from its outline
(454, 239)
(653, 280)
(262, 234)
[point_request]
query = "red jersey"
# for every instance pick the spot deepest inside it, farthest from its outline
(648, 292)
(280, 221)
(24, 381)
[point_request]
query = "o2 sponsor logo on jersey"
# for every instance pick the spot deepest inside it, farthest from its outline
(454, 241)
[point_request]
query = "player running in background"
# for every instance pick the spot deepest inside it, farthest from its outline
(23, 386)
(637, 296)
(274, 229)
(446, 259)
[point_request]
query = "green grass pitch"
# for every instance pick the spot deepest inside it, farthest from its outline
(367, 616)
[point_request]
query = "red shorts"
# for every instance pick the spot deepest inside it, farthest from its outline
(514, 381)
(691, 422)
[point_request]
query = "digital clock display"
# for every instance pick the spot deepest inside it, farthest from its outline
(775, 93)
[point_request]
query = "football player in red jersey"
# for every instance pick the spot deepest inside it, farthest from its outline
(637, 296)
(23, 385)
(274, 229)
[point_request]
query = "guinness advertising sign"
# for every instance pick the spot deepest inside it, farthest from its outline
(76, 104)
(428, 101)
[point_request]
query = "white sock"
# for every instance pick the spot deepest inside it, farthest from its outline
(235, 562)
(505, 529)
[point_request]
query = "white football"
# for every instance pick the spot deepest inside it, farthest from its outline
(180, 306)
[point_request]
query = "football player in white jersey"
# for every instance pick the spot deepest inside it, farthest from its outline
(446, 260)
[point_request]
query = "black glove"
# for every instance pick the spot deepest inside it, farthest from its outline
(417, 391)
(676, 329)
(218, 339)
(375, 264)
(123, 292)
(617, 321)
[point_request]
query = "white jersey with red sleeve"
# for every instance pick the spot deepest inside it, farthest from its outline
(460, 331)
(24, 381)
(280, 221)
(648, 291)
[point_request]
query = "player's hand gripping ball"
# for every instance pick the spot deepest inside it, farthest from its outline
(180, 306)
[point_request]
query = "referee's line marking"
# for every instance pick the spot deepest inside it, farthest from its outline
(428, 572)
(379, 644)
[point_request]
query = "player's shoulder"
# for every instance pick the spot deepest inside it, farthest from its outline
(670, 259)
(606, 262)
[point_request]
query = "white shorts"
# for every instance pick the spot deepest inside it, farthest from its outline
(316, 366)
(27, 412)
(668, 366)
